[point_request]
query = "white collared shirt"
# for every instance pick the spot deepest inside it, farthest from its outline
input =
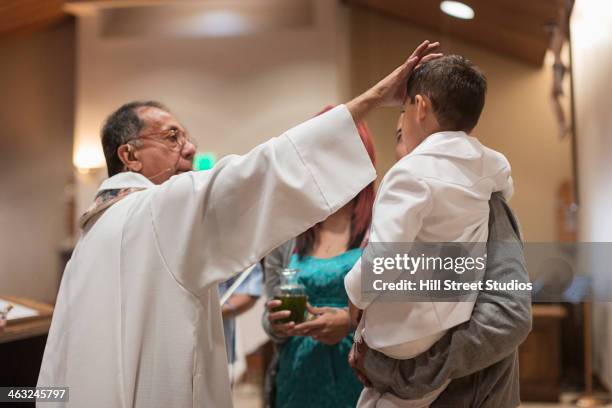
(438, 193)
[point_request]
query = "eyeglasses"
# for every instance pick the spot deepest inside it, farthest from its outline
(175, 139)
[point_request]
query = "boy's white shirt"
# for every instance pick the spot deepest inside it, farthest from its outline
(438, 193)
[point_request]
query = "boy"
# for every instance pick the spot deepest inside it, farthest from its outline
(437, 192)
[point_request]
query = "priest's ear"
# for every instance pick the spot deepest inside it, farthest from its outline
(128, 155)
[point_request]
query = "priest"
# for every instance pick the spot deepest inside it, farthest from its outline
(137, 321)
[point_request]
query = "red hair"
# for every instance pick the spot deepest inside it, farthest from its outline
(361, 217)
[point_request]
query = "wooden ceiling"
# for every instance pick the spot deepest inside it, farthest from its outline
(515, 28)
(23, 16)
(26, 16)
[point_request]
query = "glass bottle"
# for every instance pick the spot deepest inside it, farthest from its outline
(292, 295)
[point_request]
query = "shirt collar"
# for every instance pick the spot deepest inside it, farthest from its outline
(450, 144)
(126, 179)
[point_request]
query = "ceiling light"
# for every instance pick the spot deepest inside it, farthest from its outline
(457, 9)
(221, 23)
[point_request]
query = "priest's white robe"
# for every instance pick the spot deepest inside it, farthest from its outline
(137, 321)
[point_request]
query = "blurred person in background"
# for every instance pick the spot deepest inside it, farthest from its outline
(311, 368)
(242, 300)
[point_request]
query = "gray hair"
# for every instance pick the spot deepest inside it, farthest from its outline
(121, 127)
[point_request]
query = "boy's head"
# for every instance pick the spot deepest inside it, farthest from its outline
(446, 94)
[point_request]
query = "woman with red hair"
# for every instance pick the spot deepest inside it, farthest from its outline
(311, 367)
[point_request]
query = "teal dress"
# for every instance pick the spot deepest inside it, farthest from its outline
(310, 373)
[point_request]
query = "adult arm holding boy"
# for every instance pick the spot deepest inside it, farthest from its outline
(479, 356)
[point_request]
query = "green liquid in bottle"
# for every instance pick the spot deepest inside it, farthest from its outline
(294, 303)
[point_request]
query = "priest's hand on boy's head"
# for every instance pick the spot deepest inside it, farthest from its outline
(391, 90)
(422, 54)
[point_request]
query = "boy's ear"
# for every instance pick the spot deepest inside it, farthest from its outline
(423, 107)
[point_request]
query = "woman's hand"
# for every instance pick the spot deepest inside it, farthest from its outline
(279, 329)
(329, 326)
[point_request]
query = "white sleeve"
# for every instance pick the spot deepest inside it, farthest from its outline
(212, 224)
(508, 189)
(402, 202)
(503, 178)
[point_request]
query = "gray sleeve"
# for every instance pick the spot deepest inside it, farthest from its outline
(500, 322)
(274, 263)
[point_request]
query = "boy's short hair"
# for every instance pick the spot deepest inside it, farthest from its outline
(456, 88)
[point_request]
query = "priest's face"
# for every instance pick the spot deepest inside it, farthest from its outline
(164, 147)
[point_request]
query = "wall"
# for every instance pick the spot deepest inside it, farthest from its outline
(517, 120)
(235, 92)
(36, 78)
(592, 50)
(232, 93)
